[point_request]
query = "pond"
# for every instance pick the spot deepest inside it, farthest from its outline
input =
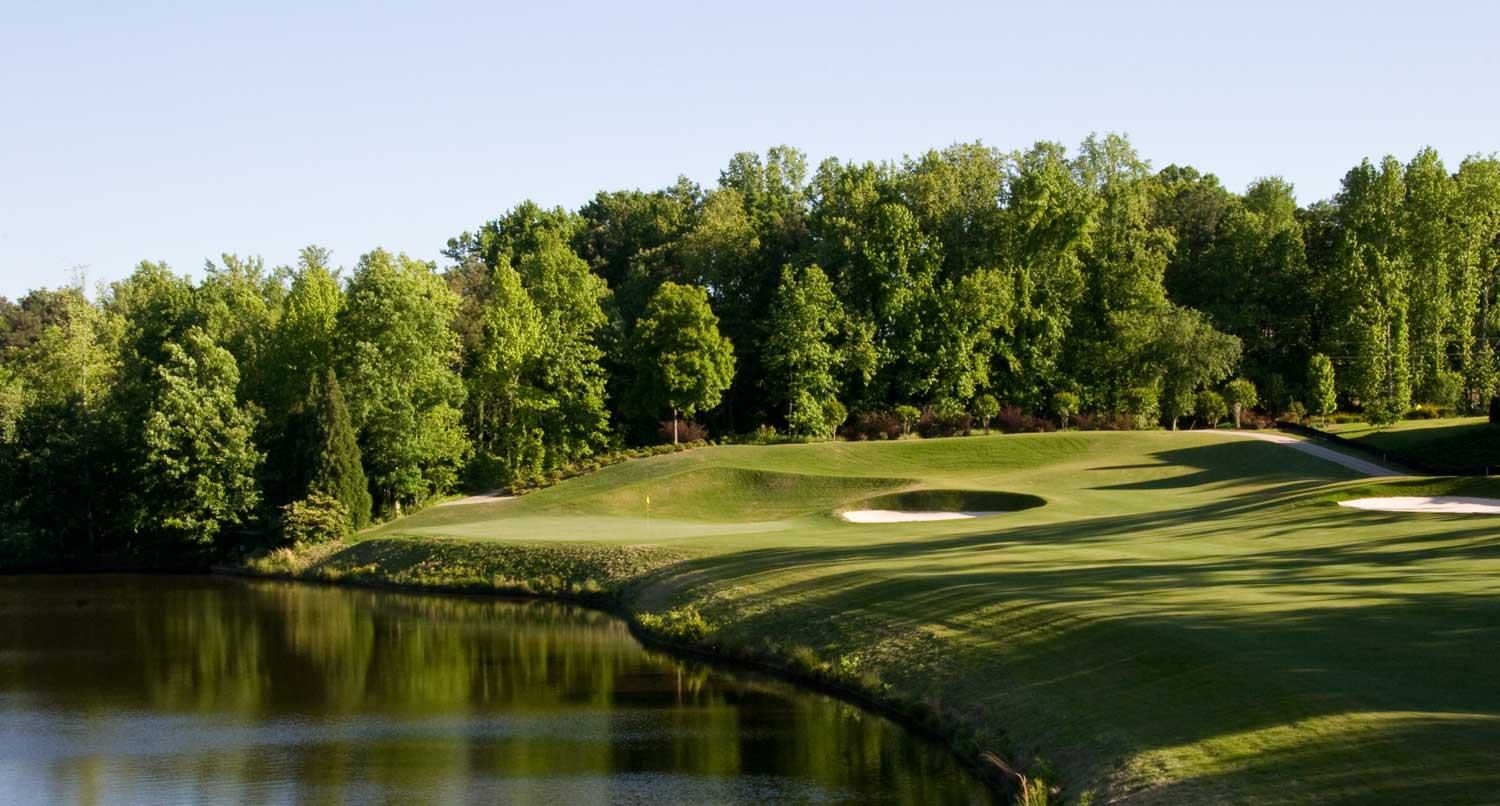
(156, 689)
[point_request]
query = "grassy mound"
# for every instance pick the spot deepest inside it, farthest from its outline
(952, 501)
(732, 494)
(1189, 619)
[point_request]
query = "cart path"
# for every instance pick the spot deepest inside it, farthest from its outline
(1353, 463)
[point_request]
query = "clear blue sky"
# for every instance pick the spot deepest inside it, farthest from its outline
(178, 131)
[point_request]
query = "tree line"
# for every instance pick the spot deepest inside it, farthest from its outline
(165, 416)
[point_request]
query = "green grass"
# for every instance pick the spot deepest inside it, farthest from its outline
(1452, 445)
(1188, 618)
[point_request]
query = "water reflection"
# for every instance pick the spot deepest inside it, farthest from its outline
(194, 689)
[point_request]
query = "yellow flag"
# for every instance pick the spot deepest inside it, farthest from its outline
(648, 500)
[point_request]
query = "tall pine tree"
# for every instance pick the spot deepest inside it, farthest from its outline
(334, 452)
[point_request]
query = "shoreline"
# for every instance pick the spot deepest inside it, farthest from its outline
(987, 767)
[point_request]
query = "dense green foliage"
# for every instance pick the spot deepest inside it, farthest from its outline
(1077, 286)
(684, 364)
(333, 454)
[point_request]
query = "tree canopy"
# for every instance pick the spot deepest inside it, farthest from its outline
(163, 413)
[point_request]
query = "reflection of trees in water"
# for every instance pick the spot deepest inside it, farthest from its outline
(406, 690)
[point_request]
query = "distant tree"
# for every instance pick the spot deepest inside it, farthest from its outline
(1240, 394)
(1143, 404)
(684, 364)
(318, 518)
(1066, 405)
(834, 415)
(1123, 300)
(805, 415)
(400, 370)
(1178, 401)
(531, 323)
(13, 395)
(1211, 407)
(800, 358)
(1321, 392)
(335, 462)
(1372, 270)
(1049, 220)
(1183, 345)
(198, 466)
(907, 414)
(302, 346)
(986, 407)
(239, 299)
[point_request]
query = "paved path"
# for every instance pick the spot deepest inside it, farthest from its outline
(1351, 462)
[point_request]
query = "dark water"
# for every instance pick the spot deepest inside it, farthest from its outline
(131, 689)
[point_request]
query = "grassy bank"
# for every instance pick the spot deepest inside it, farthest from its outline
(1188, 618)
(1450, 445)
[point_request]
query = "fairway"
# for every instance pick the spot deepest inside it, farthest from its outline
(1187, 617)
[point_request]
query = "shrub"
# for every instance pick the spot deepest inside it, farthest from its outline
(1254, 421)
(1211, 408)
(1240, 394)
(908, 415)
(317, 518)
(687, 431)
(876, 425)
(1441, 389)
(1427, 411)
(1142, 403)
(1066, 405)
(932, 423)
(1012, 420)
(764, 435)
(986, 406)
(681, 623)
(805, 418)
(834, 415)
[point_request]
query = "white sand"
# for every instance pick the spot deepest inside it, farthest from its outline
(1423, 503)
(896, 516)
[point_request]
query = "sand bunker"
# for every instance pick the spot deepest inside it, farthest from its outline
(897, 516)
(907, 506)
(1427, 503)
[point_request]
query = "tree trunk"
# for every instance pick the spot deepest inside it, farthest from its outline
(1236, 416)
(674, 426)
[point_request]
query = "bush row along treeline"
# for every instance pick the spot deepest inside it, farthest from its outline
(167, 414)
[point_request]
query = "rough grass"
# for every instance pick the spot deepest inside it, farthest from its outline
(560, 569)
(1189, 618)
(1453, 445)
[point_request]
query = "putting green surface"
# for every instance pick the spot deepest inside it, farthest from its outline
(1188, 618)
